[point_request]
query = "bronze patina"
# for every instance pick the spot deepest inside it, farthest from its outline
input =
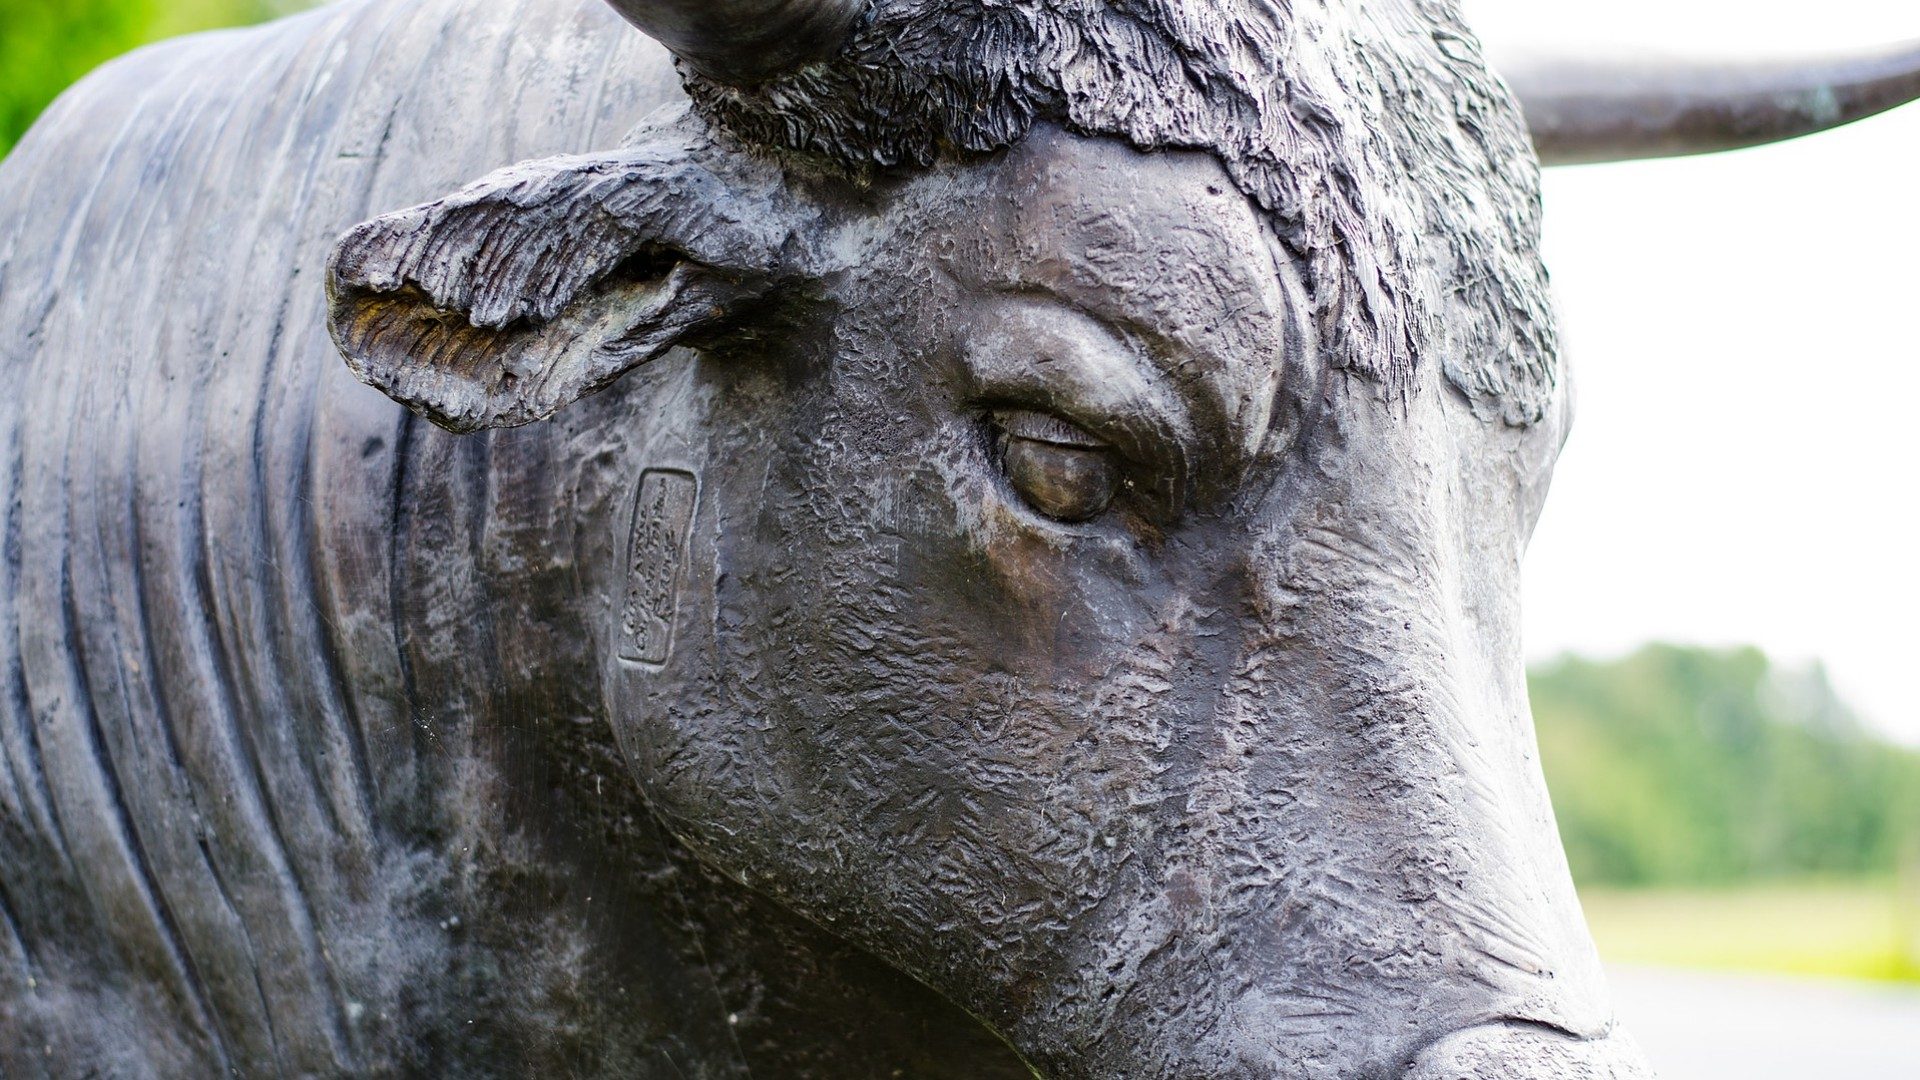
(956, 538)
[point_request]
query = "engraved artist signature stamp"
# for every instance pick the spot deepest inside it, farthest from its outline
(656, 559)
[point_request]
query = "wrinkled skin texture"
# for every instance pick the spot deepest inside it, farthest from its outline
(978, 619)
(1235, 780)
(1229, 775)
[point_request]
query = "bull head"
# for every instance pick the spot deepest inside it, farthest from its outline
(1077, 559)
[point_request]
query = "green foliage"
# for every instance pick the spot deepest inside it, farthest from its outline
(45, 45)
(1683, 766)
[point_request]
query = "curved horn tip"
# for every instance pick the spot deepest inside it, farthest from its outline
(1596, 109)
(742, 42)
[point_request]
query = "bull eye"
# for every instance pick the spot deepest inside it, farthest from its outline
(1059, 469)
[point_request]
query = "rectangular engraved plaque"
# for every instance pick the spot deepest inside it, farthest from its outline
(656, 556)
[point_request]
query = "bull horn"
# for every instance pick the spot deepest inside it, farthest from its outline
(740, 42)
(1591, 110)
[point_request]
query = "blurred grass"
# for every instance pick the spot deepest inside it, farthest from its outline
(45, 45)
(1851, 930)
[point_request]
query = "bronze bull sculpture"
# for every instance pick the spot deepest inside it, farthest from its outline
(1017, 574)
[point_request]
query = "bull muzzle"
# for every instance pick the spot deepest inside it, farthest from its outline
(1350, 868)
(1512, 1050)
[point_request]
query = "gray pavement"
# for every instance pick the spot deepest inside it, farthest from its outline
(1712, 1026)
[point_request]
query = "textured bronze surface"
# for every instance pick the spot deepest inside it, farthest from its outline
(963, 539)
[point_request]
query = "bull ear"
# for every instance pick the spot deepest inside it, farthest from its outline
(507, 301)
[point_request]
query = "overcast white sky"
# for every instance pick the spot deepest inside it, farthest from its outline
(1742, 333)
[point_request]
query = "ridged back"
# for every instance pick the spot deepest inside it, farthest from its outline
(224, 558)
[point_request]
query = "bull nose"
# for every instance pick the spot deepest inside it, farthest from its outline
(1515, 1050)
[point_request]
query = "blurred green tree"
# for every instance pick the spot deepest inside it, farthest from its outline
(45, 45)
(1687, 766)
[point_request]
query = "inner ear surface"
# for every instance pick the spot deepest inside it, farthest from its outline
(507, 301)
(467, 378)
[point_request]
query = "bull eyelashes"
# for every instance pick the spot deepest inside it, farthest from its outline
(1058, 469)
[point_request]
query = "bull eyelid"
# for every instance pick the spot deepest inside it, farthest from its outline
(1032, 349)
(1047, 428)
